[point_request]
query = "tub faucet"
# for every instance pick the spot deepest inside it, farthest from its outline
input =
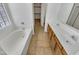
(23, 28)
(22, 23)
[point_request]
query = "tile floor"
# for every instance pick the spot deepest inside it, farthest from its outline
(39, 44)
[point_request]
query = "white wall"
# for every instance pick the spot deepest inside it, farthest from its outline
(43, 13)
(59, 12)
(22, 12)
(51, 13)
(64, 12)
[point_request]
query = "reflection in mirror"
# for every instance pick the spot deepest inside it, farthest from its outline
(73, 19)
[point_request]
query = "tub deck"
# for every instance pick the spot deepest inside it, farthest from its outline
(16, 46)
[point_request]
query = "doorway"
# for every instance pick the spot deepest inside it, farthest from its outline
(37, 12)
(39, 44)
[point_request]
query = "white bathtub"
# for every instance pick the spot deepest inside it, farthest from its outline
(17, 42)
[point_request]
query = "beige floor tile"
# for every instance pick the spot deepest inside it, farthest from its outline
(48, 51)
(39, 44)
(40, 51)
(42, 44)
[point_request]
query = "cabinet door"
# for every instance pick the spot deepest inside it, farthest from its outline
(58, 50)
(49, 31)
(64, 52)
(58, 43)
(53, 41)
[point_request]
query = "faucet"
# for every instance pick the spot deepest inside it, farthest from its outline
(23, 28)
(22, 23)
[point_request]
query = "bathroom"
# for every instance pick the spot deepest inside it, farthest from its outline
(41, 29)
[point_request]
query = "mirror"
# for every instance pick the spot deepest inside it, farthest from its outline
(73, 19)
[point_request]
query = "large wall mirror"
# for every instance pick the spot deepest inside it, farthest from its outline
(73, 19)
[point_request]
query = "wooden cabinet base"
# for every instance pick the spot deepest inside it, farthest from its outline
(57, 51)
(64, 52)
(54, 42)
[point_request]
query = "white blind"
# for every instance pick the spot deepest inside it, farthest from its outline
(3, 17)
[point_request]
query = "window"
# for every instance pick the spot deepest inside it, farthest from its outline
(3, 17)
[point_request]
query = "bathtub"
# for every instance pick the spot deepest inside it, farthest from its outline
(17, 42)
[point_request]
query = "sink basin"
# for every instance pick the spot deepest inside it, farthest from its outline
(71, 35)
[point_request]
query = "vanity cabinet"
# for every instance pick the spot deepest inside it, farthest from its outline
(57, 50)
(64, 52)
(54, 43)
(56, 46)
(49, 32)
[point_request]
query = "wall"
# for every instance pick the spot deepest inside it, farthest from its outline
(43, 13)
(51, 13)
(64, 12)
(58, 11)
(22, 12)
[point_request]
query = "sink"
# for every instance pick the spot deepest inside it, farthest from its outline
(71, 35)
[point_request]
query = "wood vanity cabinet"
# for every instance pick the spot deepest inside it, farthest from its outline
(57, 50)
(51, 37)
(54, 43)
(64, 52)
(49, 31)
(58, 43)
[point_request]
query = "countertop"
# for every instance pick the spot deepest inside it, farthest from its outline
(71, 49)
